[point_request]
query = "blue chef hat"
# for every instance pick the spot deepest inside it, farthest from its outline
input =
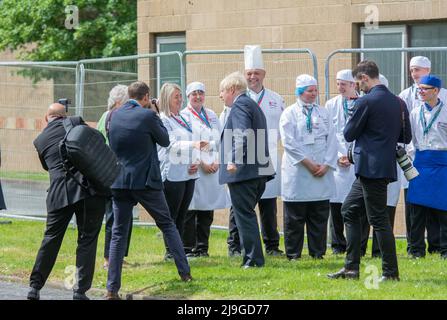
(431, 80)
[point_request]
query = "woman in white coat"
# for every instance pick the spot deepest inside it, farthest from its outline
(310, 157)
(179, 162)
(209, 195)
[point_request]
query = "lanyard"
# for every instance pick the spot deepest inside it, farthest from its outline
(308, 118)
(202, 116)
(261, 97)
(433, 119)
(183, 123)
(345, 108)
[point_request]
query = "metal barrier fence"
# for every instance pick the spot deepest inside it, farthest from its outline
(282, 67)
(26, 90)
(392, 62)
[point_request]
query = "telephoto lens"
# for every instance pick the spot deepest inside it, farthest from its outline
(405, 163)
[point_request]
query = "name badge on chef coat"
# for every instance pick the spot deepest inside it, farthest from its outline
(309, 139)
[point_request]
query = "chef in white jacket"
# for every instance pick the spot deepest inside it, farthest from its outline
(272, 104)
(209, 195)
(420, 66)
(340, 108)
(309, 160)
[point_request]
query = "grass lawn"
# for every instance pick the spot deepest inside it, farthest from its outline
(220, 277)
(18, 175)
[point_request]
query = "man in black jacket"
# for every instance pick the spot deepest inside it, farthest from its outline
(65, 197)
(376, 126)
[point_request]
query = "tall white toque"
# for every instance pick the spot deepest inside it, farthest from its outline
(253, 57)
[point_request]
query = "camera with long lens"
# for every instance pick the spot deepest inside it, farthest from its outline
(351, 153)
(65, 102)
(406, 164)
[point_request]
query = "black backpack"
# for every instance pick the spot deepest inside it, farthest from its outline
(85, 149)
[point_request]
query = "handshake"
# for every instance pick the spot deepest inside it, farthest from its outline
(201, 145)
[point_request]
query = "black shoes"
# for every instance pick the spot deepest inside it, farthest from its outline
(345, 274)
(80, 296)
(275, 252)
(389, 278)
(33, 294)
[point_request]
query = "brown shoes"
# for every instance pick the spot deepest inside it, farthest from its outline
(112, 296)
(186, 277)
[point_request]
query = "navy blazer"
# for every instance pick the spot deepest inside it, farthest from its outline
(245, 114)
(376, 126)
(133, 134)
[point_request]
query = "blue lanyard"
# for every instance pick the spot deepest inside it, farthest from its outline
(204, 117)
(433, 119)
(345, 108)
(308, 118)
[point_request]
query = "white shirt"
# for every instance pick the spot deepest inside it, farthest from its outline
(320, 146)
(176, 159)
(208, 193)
(344, 176)
(436, 138)
(272, 104)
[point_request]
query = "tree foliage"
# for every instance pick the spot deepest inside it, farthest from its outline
(38, 29)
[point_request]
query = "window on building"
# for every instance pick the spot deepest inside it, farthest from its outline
(395, 65)
(168, 68)
(391, 64)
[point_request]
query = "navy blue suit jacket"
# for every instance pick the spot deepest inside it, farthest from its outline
(134, 133)
(245, 114)
(376, 127)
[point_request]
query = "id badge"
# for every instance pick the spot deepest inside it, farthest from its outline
(309, 139)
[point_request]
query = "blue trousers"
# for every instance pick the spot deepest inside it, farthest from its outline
(155, 203)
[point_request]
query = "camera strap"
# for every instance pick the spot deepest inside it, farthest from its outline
(401, 103)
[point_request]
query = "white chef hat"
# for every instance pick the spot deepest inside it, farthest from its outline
(195, 86)
(305, 80)
(253, 57)
(383, 80)
(345, 75)
(420, 61)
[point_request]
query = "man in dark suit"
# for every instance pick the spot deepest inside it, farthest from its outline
(65, 197)
(134, 132)
(376, 126)
(245, 163)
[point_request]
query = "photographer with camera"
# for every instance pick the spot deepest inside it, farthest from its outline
(66, 196)
(426, 193)
(376, 126)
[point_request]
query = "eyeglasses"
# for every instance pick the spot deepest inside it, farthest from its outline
(425, 89)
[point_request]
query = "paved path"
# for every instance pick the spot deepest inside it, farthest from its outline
(18, 291)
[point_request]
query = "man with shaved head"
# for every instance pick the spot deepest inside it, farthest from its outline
(65, 197)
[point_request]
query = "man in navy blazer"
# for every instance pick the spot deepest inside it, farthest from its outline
(245, 163)
(134, 132)
(377, 126)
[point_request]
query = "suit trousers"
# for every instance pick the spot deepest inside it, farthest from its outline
(178, 196)
(154, 202)
(196, 232)
(314, 215)
(269, 226)
(369, 194)
(375, 251)
(233, 240)
(109, 225)
(88, 224)
(244, 196)
(419, 219)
